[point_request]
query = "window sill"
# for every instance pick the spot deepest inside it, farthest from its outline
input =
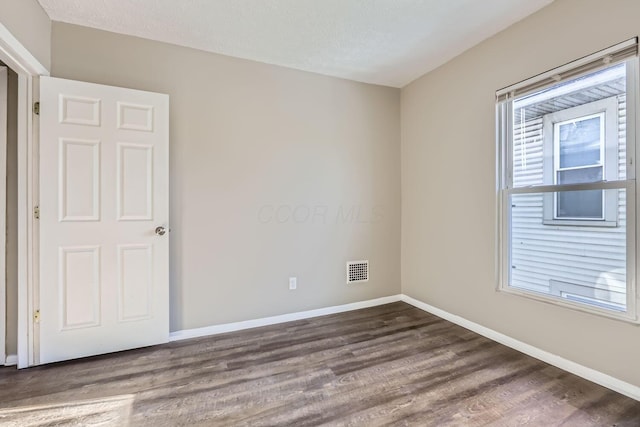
(580, 223)
(628, 317)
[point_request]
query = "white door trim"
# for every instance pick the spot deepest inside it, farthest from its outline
(17, 57)
(4, 79)
(20, 60)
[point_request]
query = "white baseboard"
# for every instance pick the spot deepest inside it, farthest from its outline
(265, 321)
(11, 360)
(597, 377)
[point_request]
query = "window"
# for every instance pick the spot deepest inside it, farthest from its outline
(578, 147)
(581, 145)
(567, 184)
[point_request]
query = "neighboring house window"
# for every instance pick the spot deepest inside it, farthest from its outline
(581, 146)
(567, 189)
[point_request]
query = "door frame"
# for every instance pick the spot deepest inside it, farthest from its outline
(28, 68)
(4, 108)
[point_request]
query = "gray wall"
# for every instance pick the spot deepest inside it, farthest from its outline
(449, 183)
(247, 136)
(28, 23)
(250, 144)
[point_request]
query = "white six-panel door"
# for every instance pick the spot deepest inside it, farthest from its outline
(104, 175)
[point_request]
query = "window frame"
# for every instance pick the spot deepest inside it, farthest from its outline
(505, 188)
(608, 160)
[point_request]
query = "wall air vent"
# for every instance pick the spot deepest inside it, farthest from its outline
(357, 271)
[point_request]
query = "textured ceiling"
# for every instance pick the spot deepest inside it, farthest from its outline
(386, 42)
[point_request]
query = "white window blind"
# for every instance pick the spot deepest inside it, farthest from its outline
(567, 192)
(593, 62)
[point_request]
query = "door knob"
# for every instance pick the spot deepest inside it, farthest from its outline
(160, 231)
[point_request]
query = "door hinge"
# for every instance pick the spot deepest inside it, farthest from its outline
(36, 316)
(36, 108)
(36, 212)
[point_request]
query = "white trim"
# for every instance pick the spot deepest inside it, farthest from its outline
(32, 236)
(4, 108)
(597, 377)
(266, 321)
(12, 360)
(26, 242)
(20, 60)
(17, 57)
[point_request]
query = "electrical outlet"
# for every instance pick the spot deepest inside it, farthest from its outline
(293, 283)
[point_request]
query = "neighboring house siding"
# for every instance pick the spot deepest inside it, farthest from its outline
(581, 255)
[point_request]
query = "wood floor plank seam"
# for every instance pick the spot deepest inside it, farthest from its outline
(392, 364)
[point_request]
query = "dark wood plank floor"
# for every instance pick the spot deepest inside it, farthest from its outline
(387, 365)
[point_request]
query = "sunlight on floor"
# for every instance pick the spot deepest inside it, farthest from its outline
(110, 411)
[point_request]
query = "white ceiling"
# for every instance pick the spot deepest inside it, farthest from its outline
(386, 42)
